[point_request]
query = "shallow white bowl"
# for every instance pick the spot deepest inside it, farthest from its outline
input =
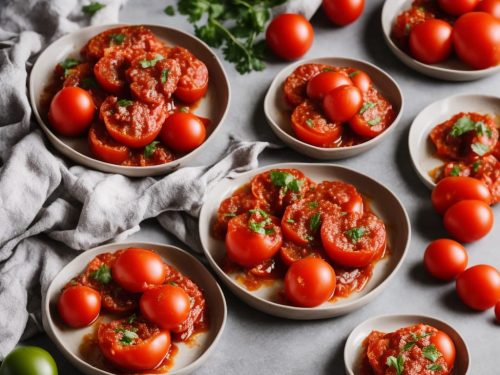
(449, 70)
(422, 151)
(353, 350)
(188, 358)
(213, 106)
(385, 204)
(278, 112)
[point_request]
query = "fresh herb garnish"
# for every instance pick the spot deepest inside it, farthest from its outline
(475, 166)
(127, 337)
(398, 363)
(184, 109)
(431, 352)
(310, 122)
(355, 234)
(230, 214)
(116, 39)
(286, 180)
(354, 74)
(434, 367)
(150, 63)
(92, 8)
(324, 70)
(466, 124)
(67, 64)
(480, 148)
(455, 171)
(89, 83)
(313, 204)
(169, 10)
(366, 106)
(416, 338)
(260, 227)
(164, 75)
(173, 283)
(150, 149)
(124, 102)
(290, 221)
(374, 122)
(132, 318)
(315, 222)
(102, 274)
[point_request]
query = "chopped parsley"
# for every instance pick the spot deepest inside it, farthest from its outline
(466, 124)
(127, 338)
(164, 75)
(230, 214)
(475, 166)
(325, 70)
(89, 83)
(313, 204)
(184, 109)
(366, 106)
(102, 274)
(150, 149)
(68, 64)
(132, 318)
(169, 10)
(434, 367)
(315, 222)
(116, 39)
(398, 363)
(455, 171)
(374, 122)
(290, 221)
(431, 352)
(354, 74)
(356, 233)
(150, 63)
(260, 227)
(92, 8)
(310, 123)
(286, 180)
(124, 102)
(480, 148)
(416, 338)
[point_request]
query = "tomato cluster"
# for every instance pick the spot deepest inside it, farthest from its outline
(418, 349)
(122, 95)
(335, 106)
(322, 238)
(159, 303)
(432, 30)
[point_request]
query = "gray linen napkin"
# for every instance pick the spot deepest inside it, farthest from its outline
(48, 207)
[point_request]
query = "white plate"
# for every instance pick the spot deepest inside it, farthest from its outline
(188, 358)
(213, 106)
(449, 70)
(383, 202)
(422, 151)
(353, 350)
(278, 112)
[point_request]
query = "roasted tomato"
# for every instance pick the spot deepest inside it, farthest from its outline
(291, 252)
(420, 11)
(295, 88)
(341, 193)
(193, 83)
(110, 70)
(105, 148)
(487, 170)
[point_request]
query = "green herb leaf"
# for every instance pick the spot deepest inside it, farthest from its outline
(355, 234)
(466, 124)
(150, 63)
(374, 122)
(324, 70)
(132, 318)
(315, 222)
(69, 63)
(354, 74)
(290, 221)
(89, 83)
(184, 109)
(366, 106)
(127, 337)
(150, 149)
(102, 274)
(416, 338)
(455, 171)
(164, 75)
(286, 180)
(116, 39)
(310, 122)
(313, 204)
(431, 352)
(173, 283)
(169, 10)
(480, 148)
(260, 212)
(230, 214)
(260, 227)
(92, 8)
(124, 102)
(409, 345)
(475, 166)
(434, 367)
(398, 363)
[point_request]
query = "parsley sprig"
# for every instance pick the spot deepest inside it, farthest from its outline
(286, 181)
(102, 274)
(355, 234)
(466, 124)
(260, 226)
(127, 336)
(397, 362)
(92, 8)
(68, 64)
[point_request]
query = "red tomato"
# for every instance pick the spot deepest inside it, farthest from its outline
(445, 259)
(289, 36)
(490, 6)
(479, 287)
(364, 127)
(343, 12)
(343, 103)
(445, 346)
(497, 312)
(134, 346)
(183, 132)
(193, 83)
(360, 79)
(137, 269)
(79, 305)
(476, 37)
(451, 190)
(323, 83)
(167, 305)
(468, 220)
(71, 111)
(252, 238)
(309, 282)
(457, 7)
(431, 41)
(105, 148)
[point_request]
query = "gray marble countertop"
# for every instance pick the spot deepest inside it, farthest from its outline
(255, 343)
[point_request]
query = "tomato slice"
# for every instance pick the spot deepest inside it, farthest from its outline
(353, 240)
(295, 87)
(110, 70)
(341, 193)
(291, 252)
(132, 123)
(487, 170)
(310, 126)
(142, 158)
(133, 344)
(193, 83)
(105, 148)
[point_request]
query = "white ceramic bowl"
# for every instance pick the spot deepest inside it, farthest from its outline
(384, 203)
(278, 112)
(422, 151)
(353, 350)
(188, 358)
(213, 106)
(449, 70)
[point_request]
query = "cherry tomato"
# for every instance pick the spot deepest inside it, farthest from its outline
(183, 132)
(105, 148)
(479, 287)
(323, 83)
(136, 270)
(445, 346)
(431, 41)
(476, 37)
(167, 305)
(360, 79)
(342, 103)
(468, 220)
(445, 259)
(252, 238)
(497, 312)
(309, 282)
(79, 305)
(289, 36)
(71, 111)
(451, 190)
(343, 12)
(457, 7)
(490, 6)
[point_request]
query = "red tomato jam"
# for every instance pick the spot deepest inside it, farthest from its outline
(409, 350)
(468, 144)
(301, 205)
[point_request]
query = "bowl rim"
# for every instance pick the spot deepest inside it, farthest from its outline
(420, 318)
(48, 323)
(230, 282)
(99, 164)
(325, 59)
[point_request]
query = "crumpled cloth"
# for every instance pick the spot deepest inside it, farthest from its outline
(50, 208)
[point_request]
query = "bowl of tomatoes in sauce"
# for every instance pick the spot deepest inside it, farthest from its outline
(333, 108)
(401, 344)
(137, 100)
(139, 308)
(304, 241)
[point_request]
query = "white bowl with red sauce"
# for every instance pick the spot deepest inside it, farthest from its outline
(354, 348)
(278, 112)
(450, 70)
(190, 355)
(382, 202)
(213, 106)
